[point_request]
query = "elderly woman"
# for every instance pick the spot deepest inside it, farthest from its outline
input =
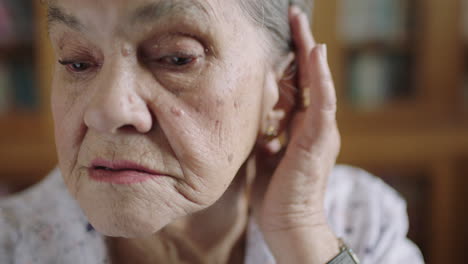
(194, 131)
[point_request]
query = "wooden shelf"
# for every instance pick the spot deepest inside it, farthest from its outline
(426, 131)
(417, 146)
(27, 149)
(397, 113)
(21, 127)
(23, 164)
(20, 49)
(26, 152)
(402, 46)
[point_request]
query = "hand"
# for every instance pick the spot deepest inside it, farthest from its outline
(292, 215)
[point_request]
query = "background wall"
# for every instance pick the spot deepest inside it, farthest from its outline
(401, 73)
(400, 68)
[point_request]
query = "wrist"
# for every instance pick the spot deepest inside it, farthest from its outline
(316, 245)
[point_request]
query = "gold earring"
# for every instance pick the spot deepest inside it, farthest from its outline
(305, 98)
(271, 132)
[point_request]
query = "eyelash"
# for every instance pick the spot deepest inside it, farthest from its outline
(71, 66)
(176, 61)
(169, 61)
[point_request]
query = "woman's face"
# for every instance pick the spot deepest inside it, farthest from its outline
(174, 86)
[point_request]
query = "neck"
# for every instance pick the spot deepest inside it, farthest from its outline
(214, 235)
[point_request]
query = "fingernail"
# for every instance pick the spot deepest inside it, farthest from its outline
(323, 51)
(295, 10)
(304, 19)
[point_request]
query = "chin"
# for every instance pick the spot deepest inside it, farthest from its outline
(126, 226)
(131, 211)
(130, 220)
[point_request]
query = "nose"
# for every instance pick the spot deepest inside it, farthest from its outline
(116, 104)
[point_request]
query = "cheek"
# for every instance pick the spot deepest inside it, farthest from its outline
(68, 126)
(212, 127)
(232, 114)
(242, 113)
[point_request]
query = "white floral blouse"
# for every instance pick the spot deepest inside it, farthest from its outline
(44, 224)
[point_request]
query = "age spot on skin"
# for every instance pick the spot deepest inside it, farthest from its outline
(131, 99)
(230, 158)
(198, 107)
(176, 112)
(219, 102)
(126, 51)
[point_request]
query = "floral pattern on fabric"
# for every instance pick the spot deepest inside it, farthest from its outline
(44, 225)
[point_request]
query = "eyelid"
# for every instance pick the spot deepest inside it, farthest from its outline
(80, 74)
(159, 52)
(195, 37)
(164, 62)
(71, 61)
(73, 47)
(161, 43)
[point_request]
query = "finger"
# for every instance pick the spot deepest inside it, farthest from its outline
(322, 88)
(303, 41)
(300, 30)
(318, 126)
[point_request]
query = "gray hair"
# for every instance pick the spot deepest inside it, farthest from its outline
(272, 16)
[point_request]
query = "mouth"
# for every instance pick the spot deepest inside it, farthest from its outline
(120, 172)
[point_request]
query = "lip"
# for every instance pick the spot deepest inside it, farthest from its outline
(120, 172)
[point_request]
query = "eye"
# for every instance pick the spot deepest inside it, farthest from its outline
(76, 67)
(175, 52)
(177, 61)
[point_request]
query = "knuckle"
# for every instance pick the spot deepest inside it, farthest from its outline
(326, 80)
(330, 106)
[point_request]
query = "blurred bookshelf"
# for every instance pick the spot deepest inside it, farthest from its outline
(26, 138)
(401, 73)
(463, 94)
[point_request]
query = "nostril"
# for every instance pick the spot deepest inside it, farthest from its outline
(128, 128)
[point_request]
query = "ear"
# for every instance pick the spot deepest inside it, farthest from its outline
(279, 97)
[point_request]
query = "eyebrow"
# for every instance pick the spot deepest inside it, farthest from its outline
(57, 15)
(148, 13)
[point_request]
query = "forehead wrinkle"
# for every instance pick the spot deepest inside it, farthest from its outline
(154, 11)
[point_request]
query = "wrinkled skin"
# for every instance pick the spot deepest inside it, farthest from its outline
(188, 95)
(196, 123)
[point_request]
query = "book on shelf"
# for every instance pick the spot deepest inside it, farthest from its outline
(16, 21)
(464, 19)
(5, 89)
(25, 95)
(368, 80)
(376, 78)
(17, 89)
(364, 21)
(6, 23)
(464, 92)
(463, 86)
